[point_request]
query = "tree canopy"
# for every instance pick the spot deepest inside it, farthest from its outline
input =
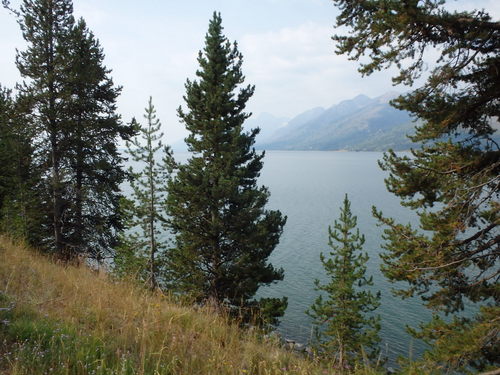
(223, 233)
(69, 101)
(452, 177)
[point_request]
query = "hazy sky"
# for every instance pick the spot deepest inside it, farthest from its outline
(151, 46)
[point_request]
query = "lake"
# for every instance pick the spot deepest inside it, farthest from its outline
(309, 188)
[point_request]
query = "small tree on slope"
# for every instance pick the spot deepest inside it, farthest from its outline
(343, 329)
(143, 252)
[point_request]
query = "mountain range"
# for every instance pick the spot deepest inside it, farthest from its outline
(359, 124)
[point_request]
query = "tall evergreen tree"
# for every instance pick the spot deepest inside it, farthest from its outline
(92, 221)
(223, 233)
(45, 25)
(144, 251)
(452, 184)
(72, 102)
(344, 331)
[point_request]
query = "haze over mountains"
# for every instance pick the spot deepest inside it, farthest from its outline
(359, 124)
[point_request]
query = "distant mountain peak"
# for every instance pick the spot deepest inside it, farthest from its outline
(360, 123)
(360, 97)
(351, 104)
(387, 97)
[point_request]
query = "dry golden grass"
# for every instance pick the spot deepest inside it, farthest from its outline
(157, 335)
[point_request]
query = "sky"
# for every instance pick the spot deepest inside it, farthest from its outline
(151, 47)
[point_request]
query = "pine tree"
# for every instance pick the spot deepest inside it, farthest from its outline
(344, 332)
(144, 251)
(452, 182)
(71, 102)
(223, 234)
(45, 25)
(92, 220)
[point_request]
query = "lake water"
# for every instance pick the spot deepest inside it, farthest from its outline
(308, 187)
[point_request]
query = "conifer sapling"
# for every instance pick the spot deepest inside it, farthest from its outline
(345, 327)
(144, 247)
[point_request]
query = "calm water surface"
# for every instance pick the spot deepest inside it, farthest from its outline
(309, 188)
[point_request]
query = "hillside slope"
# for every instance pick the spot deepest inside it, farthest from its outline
(70, 320)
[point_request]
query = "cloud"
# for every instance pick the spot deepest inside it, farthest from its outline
(492, 7)
(10, 39)
(295, 69)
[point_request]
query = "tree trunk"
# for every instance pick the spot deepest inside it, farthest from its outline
(56, 201)
(152, 244)
(54, 144)
(342, 359)
(78, 191)
(152, 216)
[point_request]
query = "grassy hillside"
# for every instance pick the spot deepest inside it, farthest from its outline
(58, 319)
